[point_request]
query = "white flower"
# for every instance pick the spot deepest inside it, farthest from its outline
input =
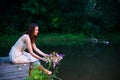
(19, 69)
(24, 64)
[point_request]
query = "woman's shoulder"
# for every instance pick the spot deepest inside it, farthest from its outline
(25, 36)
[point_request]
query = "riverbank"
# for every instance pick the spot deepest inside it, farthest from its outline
(46, 39)
(6, 41)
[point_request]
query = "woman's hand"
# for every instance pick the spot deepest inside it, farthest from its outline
(44, 59)
(46, 55)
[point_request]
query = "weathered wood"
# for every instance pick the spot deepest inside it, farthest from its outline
(10, 71)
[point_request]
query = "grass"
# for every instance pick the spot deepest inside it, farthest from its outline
(45, 39)
(60, 39)
(7, 40)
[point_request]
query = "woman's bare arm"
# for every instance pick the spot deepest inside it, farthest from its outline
(38, 50)
(29, 47)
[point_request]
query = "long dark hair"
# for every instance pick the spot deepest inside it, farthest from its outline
(30, 32)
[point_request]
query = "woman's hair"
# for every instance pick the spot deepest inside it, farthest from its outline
(30, 32)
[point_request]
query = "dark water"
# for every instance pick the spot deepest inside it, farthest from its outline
(89, 62)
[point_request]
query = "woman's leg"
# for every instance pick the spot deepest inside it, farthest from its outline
(39, 67)
(31, 68)
(44, 70)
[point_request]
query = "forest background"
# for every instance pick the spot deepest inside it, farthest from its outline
(88, 18)
(91, 17)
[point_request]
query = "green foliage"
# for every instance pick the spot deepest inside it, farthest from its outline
(55, 22)
(60, 16)
(33, 7)
(91, 29)
(37, 74)
(61, 39)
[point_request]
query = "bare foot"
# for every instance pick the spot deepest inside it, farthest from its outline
(47, 72)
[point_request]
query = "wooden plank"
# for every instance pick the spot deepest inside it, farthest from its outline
(14, 67)
(17, 75)
(10, 71)
(4, 60)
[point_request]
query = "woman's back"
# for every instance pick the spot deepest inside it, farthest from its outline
(20, 44)
(17, 53)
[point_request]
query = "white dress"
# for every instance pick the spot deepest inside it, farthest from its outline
(18, 54)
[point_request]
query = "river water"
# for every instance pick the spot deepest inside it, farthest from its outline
(89, 62)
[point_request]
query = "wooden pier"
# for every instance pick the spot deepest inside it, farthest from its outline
(10, 71)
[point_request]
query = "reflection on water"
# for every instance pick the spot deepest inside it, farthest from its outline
(89, 62)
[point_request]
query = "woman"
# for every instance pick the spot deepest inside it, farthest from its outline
(18, 54)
